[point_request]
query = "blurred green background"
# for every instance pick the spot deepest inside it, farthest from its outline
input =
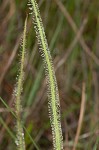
(72, 30)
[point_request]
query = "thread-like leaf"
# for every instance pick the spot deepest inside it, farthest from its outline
(18, 91)
(53, 96)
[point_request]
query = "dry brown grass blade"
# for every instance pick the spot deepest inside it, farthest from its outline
(14, 51)
(75, 29)
(89, 134)
(82, 110)
(4, 5)
(10, 13)
(96, 93)
(10, 59)
(72, 45)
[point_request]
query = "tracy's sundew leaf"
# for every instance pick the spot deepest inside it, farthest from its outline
(53, 96)
(18, 90)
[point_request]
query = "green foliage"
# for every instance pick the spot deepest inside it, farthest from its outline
(14, 115)
(78, 67)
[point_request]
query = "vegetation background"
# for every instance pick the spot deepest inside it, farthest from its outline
(72, 30)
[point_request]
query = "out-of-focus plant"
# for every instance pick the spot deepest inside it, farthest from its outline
(18, 90)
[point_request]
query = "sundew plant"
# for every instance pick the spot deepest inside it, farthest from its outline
(18, 91)
(53, 96)
(30, 117)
